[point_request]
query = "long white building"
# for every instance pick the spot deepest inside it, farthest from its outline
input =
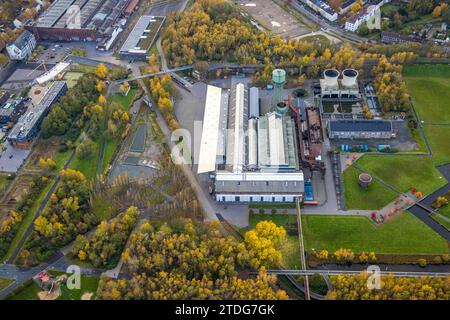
(260, 161)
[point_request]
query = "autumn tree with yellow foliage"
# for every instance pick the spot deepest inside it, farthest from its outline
(102, 71)
(67, 215)
(194, 262)
(354, 287)
(104, 247)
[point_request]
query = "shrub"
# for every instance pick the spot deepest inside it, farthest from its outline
(437, 260)
(344, 255)
(422, 262)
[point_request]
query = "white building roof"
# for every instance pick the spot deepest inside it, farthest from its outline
(238, 152)
(52, 73)
(259, 176)
(210, 133)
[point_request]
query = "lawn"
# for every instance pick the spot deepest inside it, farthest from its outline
(82, 68)
(124, 101)
(88, 165)
(30, 292)
(404, 172)
(443, 222)
(291, 249)
(429, 86)
(404, 234)
(111, 144)
(445, 211)
(72, 78)
(110, 147)
(89, 284)
(4, 283)
(375, 197)
(439, 139)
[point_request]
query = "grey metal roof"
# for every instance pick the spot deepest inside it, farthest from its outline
(23, 39)
(131, 43)
(254, 102)
(361, 126)
(260, 187)
(57, 15)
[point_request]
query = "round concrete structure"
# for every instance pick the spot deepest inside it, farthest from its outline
(281, 108)
(349, 78)
(331, 77)
(364, 180)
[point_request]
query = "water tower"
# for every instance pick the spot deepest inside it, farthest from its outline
(278, 80)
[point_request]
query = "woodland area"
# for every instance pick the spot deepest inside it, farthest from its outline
(392, 288)
(104, 247)
(214, 31)
(186, 260)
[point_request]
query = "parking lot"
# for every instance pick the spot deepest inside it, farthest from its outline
(274, 18)
(11, 158)
(55, 52)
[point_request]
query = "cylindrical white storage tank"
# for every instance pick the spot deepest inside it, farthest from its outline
(350, 78)
(331, 77)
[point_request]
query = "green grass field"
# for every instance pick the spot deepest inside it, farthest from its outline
(404, 172)
(124, 101)
(88, 165)
(111, 145)
(373, 198)
(439, 139)
(429, 86)
(4, 283)
(30, 292)
(404, 234)
(291, 249)
(445, 211)
(443, 222)
(72, 78)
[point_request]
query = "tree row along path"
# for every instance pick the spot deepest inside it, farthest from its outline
(42, 206)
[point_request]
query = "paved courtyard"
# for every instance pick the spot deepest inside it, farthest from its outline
(274, 18)
(11, 159)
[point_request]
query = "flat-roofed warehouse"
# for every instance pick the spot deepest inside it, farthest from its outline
(360, 129)
(251, 159)
(28, 126)
(76, 20)
(141, 38)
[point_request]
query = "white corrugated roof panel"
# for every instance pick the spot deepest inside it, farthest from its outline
(210, 133)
